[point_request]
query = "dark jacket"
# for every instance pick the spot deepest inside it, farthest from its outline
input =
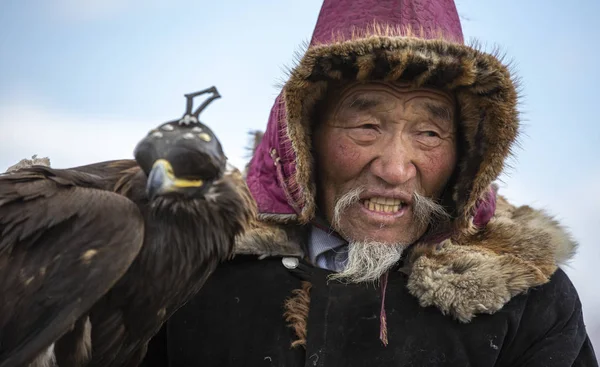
(237, 320)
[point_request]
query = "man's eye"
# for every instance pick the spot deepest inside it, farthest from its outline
(364, 133)
(429, 138)
(369, 126)
(430, 134)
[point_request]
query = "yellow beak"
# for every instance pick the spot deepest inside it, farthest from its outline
(162, 180)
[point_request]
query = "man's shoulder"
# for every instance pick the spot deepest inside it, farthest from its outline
(546, 309)
(559, 283)
(547, 326)
(558, 295)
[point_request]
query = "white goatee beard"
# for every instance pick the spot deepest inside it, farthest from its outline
(369, 260)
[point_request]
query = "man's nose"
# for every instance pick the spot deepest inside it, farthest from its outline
(395, 164)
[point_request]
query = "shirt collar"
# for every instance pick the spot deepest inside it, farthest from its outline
(322, 241)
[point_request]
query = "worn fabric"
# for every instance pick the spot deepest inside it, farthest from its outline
(244, 316)
(236, 321)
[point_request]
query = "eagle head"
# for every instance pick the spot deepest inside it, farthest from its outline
(180, 157)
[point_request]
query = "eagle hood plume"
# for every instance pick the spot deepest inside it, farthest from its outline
(94, 259)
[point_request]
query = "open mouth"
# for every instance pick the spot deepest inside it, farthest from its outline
(384, 205)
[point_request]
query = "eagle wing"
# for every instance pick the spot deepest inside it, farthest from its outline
(64, 242)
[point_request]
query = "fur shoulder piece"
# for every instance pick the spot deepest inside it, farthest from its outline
(465, 275)
(519, 248)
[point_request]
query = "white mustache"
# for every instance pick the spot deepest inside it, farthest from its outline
(426, 210)
(348, 199)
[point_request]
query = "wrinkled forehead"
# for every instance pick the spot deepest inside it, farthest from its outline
(372, 94)
(379, 97)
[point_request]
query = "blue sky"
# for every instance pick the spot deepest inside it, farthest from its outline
(83, 81)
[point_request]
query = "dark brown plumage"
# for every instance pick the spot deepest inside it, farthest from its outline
(94, 259)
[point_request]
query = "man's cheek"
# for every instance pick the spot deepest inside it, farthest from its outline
(344, 156)
(437, 167)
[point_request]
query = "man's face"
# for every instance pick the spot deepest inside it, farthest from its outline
(391, 141)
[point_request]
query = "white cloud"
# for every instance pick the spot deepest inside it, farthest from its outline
(94, 10)
(69, 139)
(89, 9)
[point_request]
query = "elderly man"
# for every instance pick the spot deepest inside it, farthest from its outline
(381, 239)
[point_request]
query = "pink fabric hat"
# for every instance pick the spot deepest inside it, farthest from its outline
(416, 41)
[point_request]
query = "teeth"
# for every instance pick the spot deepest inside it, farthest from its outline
(386, 201)
(386, 205)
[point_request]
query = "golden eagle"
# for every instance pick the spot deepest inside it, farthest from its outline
(94, 259)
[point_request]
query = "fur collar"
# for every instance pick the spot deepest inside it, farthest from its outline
(519, 248)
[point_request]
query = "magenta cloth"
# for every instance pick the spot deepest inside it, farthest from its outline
(268, 186)
(485, 208)
(342, 16)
